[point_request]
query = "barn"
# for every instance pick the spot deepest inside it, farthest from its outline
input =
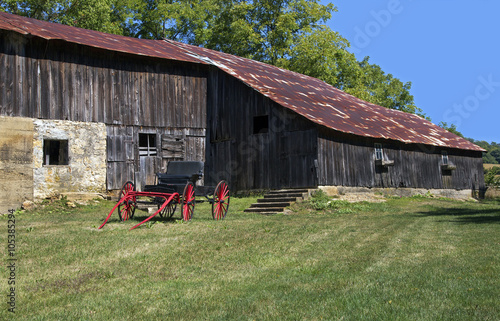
(83, 111)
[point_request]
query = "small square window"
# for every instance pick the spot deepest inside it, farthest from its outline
(261, 124)
(55, 152)
(378, 151)
(147, 145)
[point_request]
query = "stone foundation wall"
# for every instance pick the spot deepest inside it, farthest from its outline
(86, 168)
(16, 158)
(403, 192)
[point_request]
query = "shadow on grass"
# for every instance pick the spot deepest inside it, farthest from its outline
(140, 216)
(466, 215)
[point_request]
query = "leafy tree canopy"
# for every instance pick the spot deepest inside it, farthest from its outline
(286, 33)
(101, 15)
(452, 128)
(493, 151)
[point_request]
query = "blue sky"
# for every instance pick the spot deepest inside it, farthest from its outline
(449, 50)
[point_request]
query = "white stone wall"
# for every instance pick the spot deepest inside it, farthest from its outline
(86, 170)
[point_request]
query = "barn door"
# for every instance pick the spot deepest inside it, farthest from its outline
(298, 164)
(120, 157)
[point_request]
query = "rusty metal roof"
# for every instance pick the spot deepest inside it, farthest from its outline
(307, 96)
(56, 31)
(329, 106)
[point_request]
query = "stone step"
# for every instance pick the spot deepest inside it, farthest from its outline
(277, 200)
(285, 191)
(270, 204)
(287, 195)
(264, 209)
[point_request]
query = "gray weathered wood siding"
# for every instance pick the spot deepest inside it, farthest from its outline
(347, 160)
(58, 80)
(282, 157)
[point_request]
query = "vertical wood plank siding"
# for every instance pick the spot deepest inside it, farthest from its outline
(282, 157)
(347, 160)
(58, 80)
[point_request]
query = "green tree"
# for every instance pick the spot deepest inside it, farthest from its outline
(263, 30)
(101, 15)
(492, 176)
(452, 128)
(495, 152)
(324, 54)
(386, 90)
(184, 20)
(492, 151)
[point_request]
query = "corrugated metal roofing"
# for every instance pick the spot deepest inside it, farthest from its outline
(55, 31)
(307, 96)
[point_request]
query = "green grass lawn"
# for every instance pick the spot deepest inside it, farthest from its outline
(405, 259)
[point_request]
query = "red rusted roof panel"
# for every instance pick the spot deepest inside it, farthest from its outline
(329, 106)
(52, 31)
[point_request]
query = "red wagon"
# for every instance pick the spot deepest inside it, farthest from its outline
(176, 187)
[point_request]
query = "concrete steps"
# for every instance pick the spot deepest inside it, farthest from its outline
(275, 201)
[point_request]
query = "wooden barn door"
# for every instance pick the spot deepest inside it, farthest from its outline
(298, 164)
(120, 156)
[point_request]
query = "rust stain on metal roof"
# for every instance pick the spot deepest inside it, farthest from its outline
(331, 107)
(307, 96)
(96, 39)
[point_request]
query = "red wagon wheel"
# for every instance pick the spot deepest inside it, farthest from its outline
(220, 204)
(169, 210)
(126, 209)
(188, 201)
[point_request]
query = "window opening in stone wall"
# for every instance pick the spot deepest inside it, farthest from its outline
(261, 124)
(147, 145)
(378, 151)
(55, 152)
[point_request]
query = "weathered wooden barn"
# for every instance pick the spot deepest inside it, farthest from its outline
(84, 111)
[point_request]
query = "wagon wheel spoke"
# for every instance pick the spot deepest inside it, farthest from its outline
(126, 209)
(188, 202)
(220, 205)
(169, 210)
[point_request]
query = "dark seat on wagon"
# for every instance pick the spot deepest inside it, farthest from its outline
(181, 172)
